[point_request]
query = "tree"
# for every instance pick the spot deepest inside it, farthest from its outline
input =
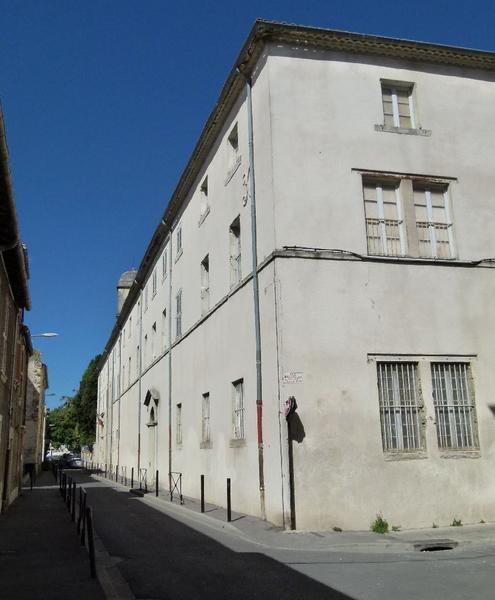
(74, 423)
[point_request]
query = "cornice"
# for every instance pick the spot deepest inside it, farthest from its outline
(295, 36)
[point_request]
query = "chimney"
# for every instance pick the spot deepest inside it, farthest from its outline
(123, 286)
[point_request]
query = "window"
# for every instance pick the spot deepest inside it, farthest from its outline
(153, 284)
(130, 326)
(408, 215)
(178, 425)
(385, 230)
(123, 376)
(164, 329)
(145, 357)
(204, 202)
(233, 145)
(400, 407)
(145, 297)
(138, 362)
(5, 336)
(433, 221)
(123, 337)
(178, 240)
(178, 314)
(164, 264)
(153, 341)
(455, 412)
(235, 252)
(205, 285)
(238, 410)
(129, 373)
(398, 109)
(205, 419)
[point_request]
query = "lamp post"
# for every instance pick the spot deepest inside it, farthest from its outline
(48, 334)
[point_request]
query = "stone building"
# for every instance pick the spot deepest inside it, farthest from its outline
(35, 421)
(15, 341)
(328, 255)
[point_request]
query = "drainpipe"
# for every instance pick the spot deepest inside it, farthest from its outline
(140, 373)
(256, 295)
(120, 397)
(110, 408)
(169, 256)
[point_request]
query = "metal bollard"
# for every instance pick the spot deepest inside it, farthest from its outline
(229, 508)
(116, 473)
(91, 542)
(156, 484)
(132, 478)
(82, 516)
(105, 470)
(73, 498)
(202, 493)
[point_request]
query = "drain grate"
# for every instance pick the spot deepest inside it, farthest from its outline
(435, 545)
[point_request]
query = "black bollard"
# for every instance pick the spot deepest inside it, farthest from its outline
(202, 493)
(229, 508)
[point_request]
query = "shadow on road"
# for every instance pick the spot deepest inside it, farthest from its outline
(161, 558)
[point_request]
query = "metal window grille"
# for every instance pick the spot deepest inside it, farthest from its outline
(385, 229)
(235, 252)
(205, 285)
(433, 222)
(178, 424)
(179, 239)
(400, 407)
(455, 411)
(205, 418)
(153, 283)
(178, 314)
(238, 410)
(164, 264)
(398, 110)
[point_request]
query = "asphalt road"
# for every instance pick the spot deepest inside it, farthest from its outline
(161, 558)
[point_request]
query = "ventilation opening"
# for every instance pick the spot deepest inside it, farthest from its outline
(435, 546)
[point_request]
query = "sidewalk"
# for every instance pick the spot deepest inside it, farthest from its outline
(40, 554)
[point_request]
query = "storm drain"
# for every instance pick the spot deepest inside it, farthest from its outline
(435, 545)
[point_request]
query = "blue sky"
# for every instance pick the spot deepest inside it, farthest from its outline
(103, 103)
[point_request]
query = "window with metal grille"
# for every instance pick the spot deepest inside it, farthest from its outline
(164, 264)
(455, 412)
(178, 314)
(235, 252)
(178, 425)
(384, 219)
(153, 284)
(238, 410)
(433, 221)
(398, 108)
(400, 407)
(205, 419)
(205, 285)
(178, 239)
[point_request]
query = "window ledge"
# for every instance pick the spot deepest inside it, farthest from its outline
(203, 216)
(404, 130)
(179, 254)
(238, 443)
(205, 445)
(460, 454)
(233, 169)
(417, 454)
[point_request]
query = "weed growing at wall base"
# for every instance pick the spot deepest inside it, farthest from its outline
(379, 525)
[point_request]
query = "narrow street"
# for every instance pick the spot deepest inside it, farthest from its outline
(165, 551)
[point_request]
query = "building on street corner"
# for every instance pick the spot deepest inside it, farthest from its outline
(328, 252)
(15, 340)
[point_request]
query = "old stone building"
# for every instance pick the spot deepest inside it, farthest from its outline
(15, 342)
(35, 420)
(328, 253)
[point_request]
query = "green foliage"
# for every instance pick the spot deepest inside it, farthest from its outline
(456, 523)
(74, 423)
(379, 525)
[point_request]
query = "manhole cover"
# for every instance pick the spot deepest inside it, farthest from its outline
(435, 545)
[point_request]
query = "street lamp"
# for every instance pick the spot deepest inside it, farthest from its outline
(49, 334)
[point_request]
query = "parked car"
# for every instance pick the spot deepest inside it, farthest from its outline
(74, 463)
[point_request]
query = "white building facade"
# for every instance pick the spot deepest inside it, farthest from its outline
(355, 173)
